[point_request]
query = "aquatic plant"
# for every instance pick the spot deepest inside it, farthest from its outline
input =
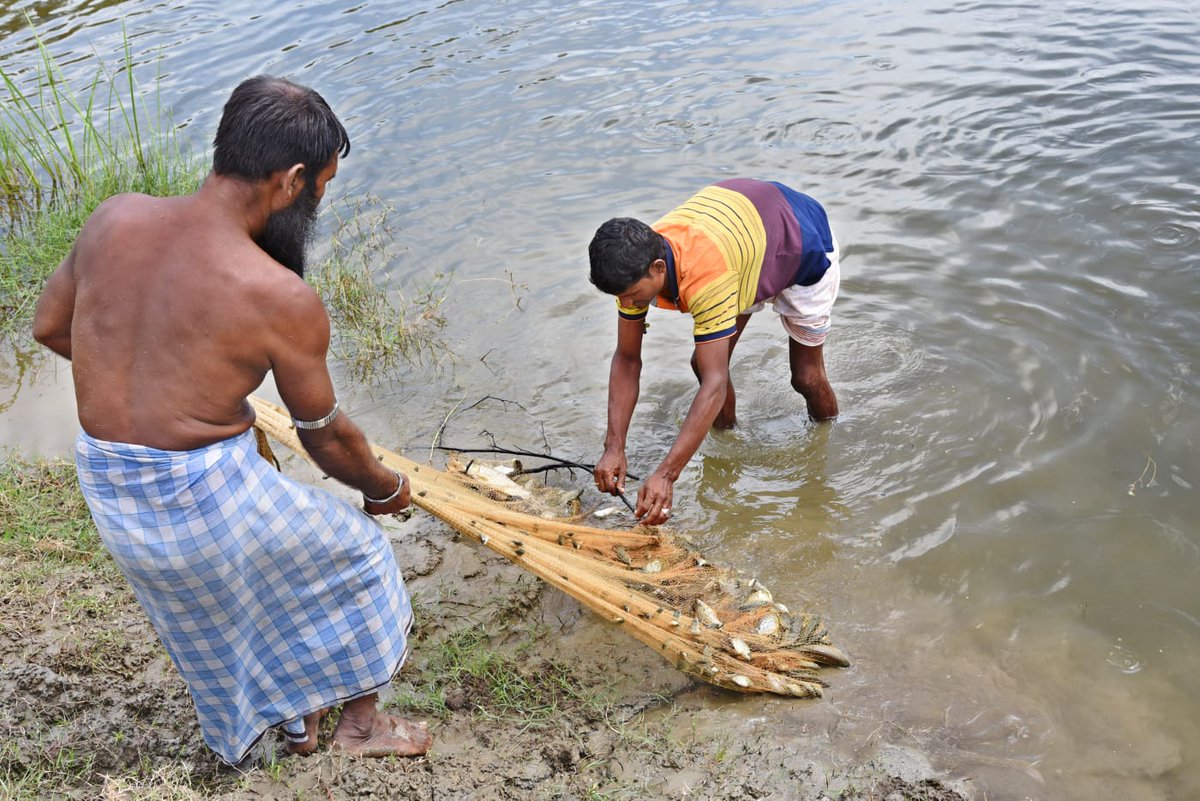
(64, 151)
(373, 330)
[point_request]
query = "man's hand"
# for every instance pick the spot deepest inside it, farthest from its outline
(654, 500)
(391, 505)
(610, 471)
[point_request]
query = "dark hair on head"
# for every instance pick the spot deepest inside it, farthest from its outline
(269, 124)
(621, 253)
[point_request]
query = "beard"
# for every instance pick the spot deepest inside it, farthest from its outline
(288, 231)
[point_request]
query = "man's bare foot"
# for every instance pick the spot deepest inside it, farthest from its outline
(311, 723)
(381, 735)
(725, 422)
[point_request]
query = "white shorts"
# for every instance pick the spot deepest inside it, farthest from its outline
(807, 311)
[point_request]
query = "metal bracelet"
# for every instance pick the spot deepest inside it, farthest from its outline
(309, 425)
(389, 498)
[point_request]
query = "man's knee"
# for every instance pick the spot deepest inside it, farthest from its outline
(809, 381)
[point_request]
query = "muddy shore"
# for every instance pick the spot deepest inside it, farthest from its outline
(528, 697)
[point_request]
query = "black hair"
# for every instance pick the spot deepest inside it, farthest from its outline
(621, 253)
(269, 124)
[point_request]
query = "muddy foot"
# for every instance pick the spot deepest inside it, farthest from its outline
(311, 723)
(384, 735)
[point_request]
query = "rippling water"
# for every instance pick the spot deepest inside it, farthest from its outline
(1002, 528)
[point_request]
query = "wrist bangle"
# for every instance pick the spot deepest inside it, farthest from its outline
(388, 499)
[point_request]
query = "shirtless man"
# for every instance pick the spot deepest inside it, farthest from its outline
(275, 600)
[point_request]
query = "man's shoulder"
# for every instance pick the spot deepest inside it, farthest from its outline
(276, 285)
(122, 216)
(127, 206)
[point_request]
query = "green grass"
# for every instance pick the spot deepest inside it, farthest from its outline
(42, 512)
(373, 333)
(64, 151)
(465, 672)
(39, 776)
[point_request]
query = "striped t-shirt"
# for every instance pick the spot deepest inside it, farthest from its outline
(733, 244)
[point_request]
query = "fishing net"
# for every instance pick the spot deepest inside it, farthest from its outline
(711, 622)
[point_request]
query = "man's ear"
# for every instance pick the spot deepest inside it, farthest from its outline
(658, 268)
(292, 182)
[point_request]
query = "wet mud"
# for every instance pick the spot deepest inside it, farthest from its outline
(97, 695)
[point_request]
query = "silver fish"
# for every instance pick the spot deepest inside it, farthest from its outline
(826, 654)
(653, 567)
(768, 625)
(760, 597)
(740, 681)
(740, 648)
(707, 616)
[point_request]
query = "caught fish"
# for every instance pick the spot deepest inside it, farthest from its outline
(760, 597)
(768, 625)
(623, 555)
(740, 681)
(804, 689)
(826, 654)
(493, 478)
(694, 629)
(740, 648)
(607, 511)
(707, 616)
(653, 567)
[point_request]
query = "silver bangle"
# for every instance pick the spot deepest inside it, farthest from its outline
(389, 498)
(309, 425)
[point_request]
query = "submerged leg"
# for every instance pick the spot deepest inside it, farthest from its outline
(808, 378)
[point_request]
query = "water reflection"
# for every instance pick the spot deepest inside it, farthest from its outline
(1015, 186)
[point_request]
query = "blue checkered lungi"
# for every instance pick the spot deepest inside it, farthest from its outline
(274, 599)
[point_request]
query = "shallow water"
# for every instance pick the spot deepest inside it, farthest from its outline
(1001, 528)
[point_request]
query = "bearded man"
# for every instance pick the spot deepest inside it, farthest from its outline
(276, 601)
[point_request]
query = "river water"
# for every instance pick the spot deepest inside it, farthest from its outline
(1002, 528)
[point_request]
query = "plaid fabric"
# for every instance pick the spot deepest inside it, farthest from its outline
(274, 599)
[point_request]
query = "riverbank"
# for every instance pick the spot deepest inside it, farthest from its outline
(527, 695)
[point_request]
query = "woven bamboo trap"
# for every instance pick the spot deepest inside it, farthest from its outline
(710, 622)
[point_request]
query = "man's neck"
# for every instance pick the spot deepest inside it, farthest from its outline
(242, 204)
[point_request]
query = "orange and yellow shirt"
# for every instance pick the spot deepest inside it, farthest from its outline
(734, 244)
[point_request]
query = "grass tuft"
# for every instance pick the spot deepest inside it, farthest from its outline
(373, 332)
(43, 515)
(464, 672)
(63, 152)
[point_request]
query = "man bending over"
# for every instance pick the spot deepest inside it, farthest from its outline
(720, 257)
(276, 601)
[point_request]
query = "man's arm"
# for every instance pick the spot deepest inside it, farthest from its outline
(56, 309)
(712, 362)
(623, 377)
(340, 449)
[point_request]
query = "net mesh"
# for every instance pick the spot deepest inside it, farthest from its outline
(711, 622)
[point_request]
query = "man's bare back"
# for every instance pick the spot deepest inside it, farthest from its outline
(177, 316)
